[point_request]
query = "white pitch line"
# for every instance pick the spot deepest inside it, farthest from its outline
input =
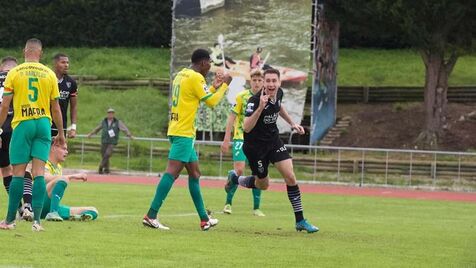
(116, 216)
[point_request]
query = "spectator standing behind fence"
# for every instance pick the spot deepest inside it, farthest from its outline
(109, 137)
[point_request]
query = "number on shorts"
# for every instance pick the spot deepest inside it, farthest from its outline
(238, 145)
(34, 95)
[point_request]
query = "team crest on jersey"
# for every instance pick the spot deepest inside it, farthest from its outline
(68, 84)
(250, 107)
(205, 88)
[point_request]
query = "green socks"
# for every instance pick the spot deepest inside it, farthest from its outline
(194, 188)
(231, 193)
(57, 195)
(256, 197)
(255, 192)
(161, 192)
(39, 192)
(14, 197)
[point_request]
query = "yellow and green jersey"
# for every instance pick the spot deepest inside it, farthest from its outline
(188, 89)
(53, 169)
(239, 109)
(33, 86)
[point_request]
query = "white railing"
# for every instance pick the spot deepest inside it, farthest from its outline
(347, 165)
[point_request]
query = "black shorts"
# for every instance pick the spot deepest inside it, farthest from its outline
(4, 151)
(259, 155)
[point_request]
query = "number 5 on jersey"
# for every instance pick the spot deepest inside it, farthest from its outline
(34, 95)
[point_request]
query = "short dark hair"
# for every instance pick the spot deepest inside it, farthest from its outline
(8, 58)
(199, 55)
(272, 71)
(57, 56)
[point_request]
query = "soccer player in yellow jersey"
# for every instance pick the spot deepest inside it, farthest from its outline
(188, 89)
(34, 90)
(235, 121)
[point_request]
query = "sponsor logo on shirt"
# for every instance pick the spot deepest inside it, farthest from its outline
(270, 119)
(26, 110)
(64, 94)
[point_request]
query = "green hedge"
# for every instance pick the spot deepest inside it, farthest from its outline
(86, 22)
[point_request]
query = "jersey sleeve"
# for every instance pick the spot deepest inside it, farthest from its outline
(8, 84)
(251, 106)
(237, 108)
(199, 88)
(74, 89)
(55, 89)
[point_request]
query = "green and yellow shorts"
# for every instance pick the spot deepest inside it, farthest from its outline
(30, 139)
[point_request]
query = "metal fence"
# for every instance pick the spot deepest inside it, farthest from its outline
(342, 165)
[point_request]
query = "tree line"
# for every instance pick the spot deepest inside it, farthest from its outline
(92, 23)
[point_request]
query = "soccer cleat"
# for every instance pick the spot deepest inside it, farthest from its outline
(258, 213)
(7, 226)
(306, 226)
(227, 209)
(153, 223)
(53, 216)
(27, 214)
(229, 182)
(206, 225)
(81, 217)
(36, 227)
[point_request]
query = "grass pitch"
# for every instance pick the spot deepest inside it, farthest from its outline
(355, 231)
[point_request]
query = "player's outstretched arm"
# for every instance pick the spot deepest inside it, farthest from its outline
(78, 176)
(225, 146)
(284, 114)
(213, 99)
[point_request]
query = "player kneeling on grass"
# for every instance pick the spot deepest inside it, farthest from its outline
(262, 145)
(56, 184)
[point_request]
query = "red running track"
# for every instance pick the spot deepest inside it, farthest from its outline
(305, 188)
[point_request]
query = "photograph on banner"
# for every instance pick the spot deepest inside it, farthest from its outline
(324, 86)
(246, 34)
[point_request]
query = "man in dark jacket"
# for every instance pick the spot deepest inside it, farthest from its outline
(109, 137)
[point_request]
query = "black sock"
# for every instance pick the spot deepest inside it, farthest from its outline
(27, 195)
(294, 196)
(247, 181)
(6, 183)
